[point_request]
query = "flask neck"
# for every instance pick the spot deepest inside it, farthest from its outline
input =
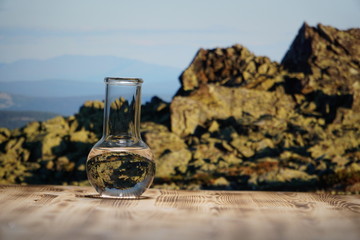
(122, 111)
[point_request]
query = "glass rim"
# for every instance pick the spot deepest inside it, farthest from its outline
(123, 81)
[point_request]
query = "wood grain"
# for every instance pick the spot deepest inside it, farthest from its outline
(59, 212)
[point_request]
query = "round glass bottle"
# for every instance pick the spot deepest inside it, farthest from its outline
(120, 164)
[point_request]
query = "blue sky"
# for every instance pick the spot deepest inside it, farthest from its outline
(159, 31)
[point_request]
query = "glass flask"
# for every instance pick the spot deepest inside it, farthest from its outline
(120, 164)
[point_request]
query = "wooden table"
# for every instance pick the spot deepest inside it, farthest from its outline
(58, 212)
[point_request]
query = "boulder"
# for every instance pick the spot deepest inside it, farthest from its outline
(4, 134)
(170, 151)
(157, 111)
(57, 125)
(218, 102)
(232, 67)
(329, 58)
(173, 163)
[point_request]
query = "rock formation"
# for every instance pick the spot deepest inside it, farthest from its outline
(238, 121)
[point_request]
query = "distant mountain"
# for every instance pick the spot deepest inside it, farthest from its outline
(72, 75)
(64, 106)
(68, 67)
(53, 88)
(60, 105)
(15, 119)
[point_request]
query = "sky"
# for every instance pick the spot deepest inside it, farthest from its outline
(161, 32)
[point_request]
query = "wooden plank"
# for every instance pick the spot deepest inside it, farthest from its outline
(59, 212)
